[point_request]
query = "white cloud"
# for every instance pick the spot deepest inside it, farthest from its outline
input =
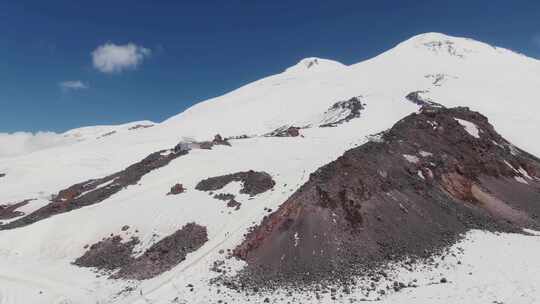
(112, 58)
(73, 85)
(19, 143)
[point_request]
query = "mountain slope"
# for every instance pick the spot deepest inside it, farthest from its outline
(352, 103)
(430, 178)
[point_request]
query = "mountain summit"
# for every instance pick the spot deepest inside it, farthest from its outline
(314, 64)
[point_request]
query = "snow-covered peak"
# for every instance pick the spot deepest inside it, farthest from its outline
(441, 44)
(314, 64)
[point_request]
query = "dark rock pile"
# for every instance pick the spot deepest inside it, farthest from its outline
(206, 145)
(230, 199)
(218, 140)
(416, 98)
(111, 254)
(353, 107)
(165, 254)
(243, 136)
(177, 189)
(285, 131)
(411, 194)
(9, 211)
(108, 254)
(254, 182)
(139, 126)
(108, 134)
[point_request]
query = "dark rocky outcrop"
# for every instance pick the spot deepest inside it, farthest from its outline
(165, 254)
(206, 145)
(285, 131)
(177, 189)
(243, 136)
(140, 126)
(218, 140)
(417, 98)
(112, 254)
(108, 254)
(414, 192)
(353, 107)
(107, 134)
(9, 211)
(439, 78)
(254, 182)
(230, 199)
(96, 190)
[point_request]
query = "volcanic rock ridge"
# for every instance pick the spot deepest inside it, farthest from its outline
(433, 176)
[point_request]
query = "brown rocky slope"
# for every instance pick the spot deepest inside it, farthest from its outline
(415, 190)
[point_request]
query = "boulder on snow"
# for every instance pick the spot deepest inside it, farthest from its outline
(182, 147)
(177, 189)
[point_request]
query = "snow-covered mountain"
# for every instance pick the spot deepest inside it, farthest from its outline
(60, 201)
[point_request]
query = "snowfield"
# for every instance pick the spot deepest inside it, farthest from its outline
(36, 260)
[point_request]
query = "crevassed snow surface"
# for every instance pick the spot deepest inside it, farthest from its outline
(35, 261)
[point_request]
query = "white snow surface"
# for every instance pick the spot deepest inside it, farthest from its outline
(35, 261)
(471, 128)
(20, 143)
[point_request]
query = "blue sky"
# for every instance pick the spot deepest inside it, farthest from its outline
(183, 52)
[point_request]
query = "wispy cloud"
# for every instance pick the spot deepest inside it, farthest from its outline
(73, 85)
(112, 58)
(19, 143)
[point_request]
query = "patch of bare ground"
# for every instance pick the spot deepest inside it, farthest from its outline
(417, 98)
(285, 131)
(165, 254)
(230, 199)
(345, 111)
(112, 254)
(9, 211)
(253, 182)
(108, 254)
